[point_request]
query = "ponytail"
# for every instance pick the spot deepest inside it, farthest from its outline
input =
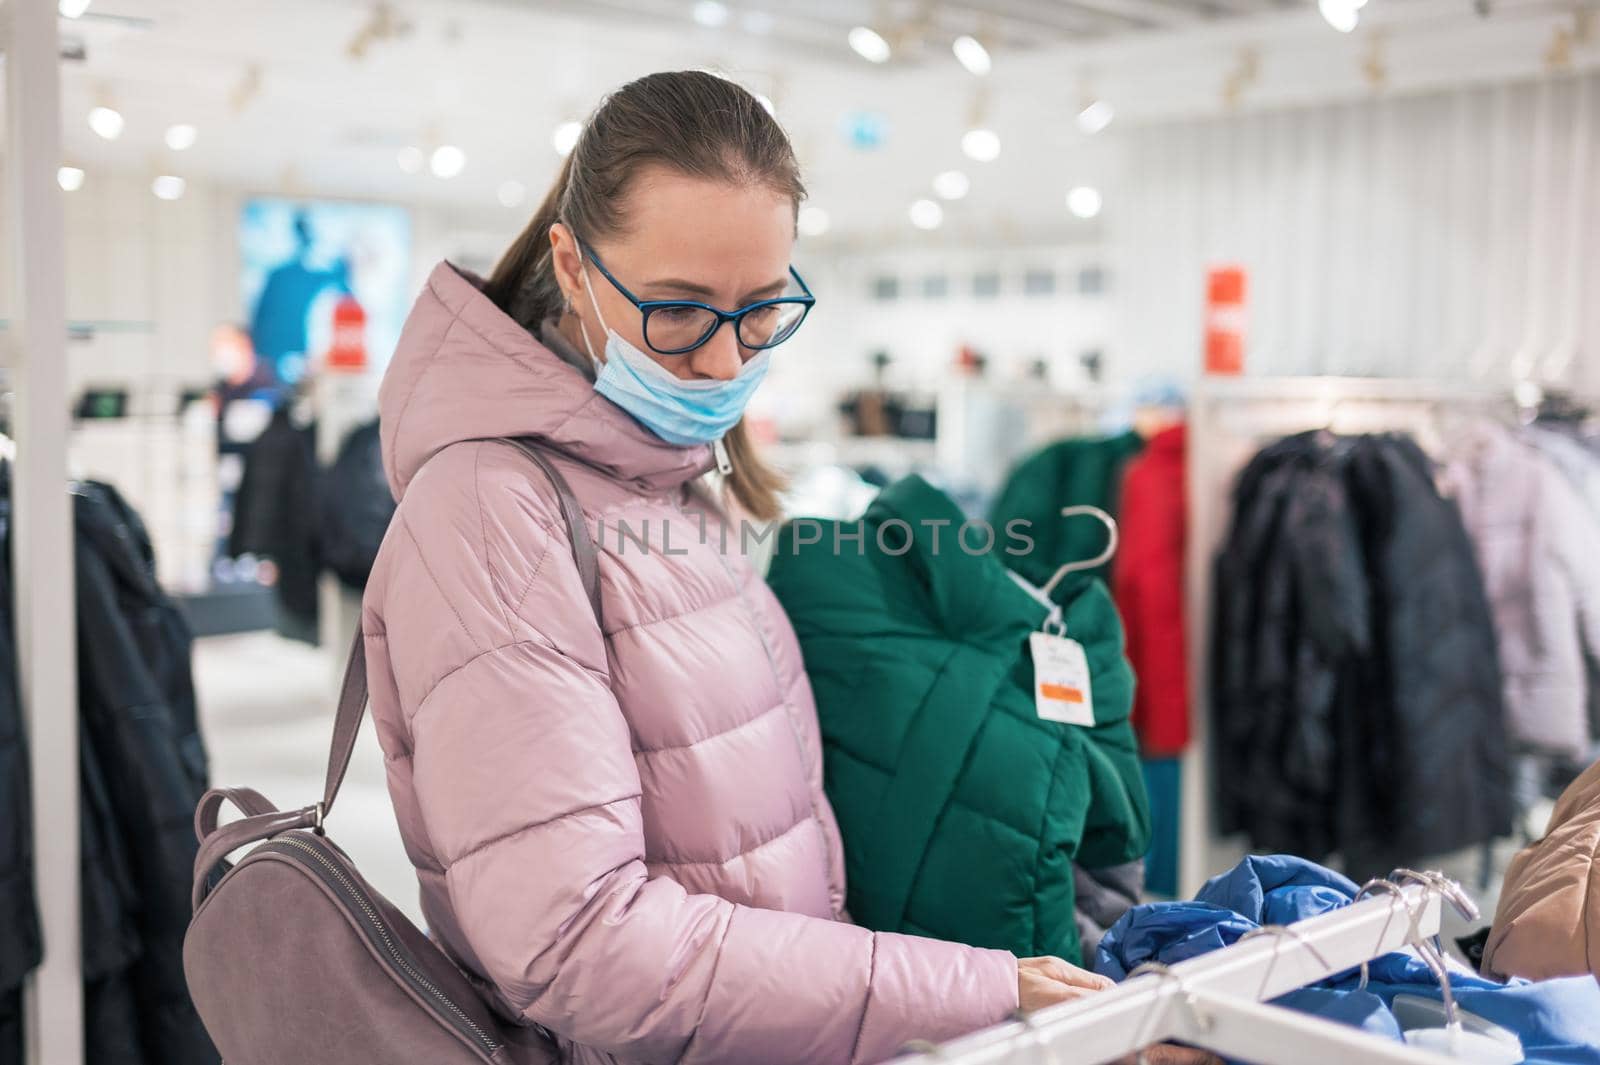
(752, 483)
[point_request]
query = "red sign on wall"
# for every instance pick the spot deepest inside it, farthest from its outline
(1226, 288)
(349, 350)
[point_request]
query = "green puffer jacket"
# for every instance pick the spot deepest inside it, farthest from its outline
(1083, 470)
(961, 809)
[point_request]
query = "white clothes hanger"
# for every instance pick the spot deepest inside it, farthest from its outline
(1053, 618)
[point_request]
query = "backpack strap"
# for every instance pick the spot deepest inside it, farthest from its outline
(353, 691)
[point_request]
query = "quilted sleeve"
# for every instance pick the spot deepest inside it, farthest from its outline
(525, 783)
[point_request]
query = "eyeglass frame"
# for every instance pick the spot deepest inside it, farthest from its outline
(646, 307)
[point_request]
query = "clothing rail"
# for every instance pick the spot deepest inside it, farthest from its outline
(1229, 419)
(1217, 1001)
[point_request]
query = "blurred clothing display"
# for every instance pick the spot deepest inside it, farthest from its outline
(1103, 896)
(20, 947)
(962, 810)
(275, 516)
(1080, 471)
(1535, 540)
(356, 507)
(1163, 782)
(1548, 920)
(1356, 691)
(1147, 582)
(142, 768)
(1557, 1021)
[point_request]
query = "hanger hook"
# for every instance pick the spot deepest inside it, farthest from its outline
(1112, 538)
(1452, 891)
(1156, 968)
(1378, 885)
(1277, 932)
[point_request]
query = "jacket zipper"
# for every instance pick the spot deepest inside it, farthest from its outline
(336, 878)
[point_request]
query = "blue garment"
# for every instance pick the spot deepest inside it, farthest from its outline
(1163, 781)
(1558, 1021)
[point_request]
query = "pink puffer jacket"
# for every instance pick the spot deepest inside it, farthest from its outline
(624, 832)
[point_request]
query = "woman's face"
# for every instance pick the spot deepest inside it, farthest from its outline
(687, 238)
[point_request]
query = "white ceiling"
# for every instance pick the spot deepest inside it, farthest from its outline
(318, 96)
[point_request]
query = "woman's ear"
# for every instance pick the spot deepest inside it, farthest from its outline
(567, 262)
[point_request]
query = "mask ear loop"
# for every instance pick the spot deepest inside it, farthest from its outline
(1190, 1003)
(1277, 932)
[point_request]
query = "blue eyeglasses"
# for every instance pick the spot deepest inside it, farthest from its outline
(677, 327)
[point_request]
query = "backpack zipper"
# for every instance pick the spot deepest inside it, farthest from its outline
(336, 878)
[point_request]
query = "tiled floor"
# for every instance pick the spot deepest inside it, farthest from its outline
(266, 710)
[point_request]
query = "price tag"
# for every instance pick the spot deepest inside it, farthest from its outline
(1061, 679)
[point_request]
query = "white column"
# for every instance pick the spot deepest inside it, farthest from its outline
(42, 522)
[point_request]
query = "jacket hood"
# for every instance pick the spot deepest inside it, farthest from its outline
(464, 369)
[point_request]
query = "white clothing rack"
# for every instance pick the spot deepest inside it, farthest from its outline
(1229, 420)
(1217, 1001)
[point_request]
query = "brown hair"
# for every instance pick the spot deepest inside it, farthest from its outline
(693, 122)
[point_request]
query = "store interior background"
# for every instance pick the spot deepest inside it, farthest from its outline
(1417, 199)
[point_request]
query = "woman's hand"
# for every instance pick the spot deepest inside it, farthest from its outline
(1045, 981)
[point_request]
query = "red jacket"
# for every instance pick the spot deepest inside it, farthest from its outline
(1147, 581)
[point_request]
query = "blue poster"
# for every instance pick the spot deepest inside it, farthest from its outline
(310, 268)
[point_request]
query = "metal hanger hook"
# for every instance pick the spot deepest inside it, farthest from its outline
(1278, 932)
(1156, 968)
(1112, 539)
(1378, 885)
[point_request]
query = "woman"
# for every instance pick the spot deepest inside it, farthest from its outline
(623, 833)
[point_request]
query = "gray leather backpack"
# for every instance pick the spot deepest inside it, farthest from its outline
(291, 956)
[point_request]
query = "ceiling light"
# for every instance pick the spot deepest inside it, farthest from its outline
(971, 53)
(181, 137)
(72, 8)
(70, 178)
(813, 221)
(447, 161)
(951, 185)
(710, 13)
(512, 193)
(1096, 117)
(107, 122)
(1084, 201)
(168, 187)
(566, 137)
(981, 144)
(410, 159)
(926, 214)
(1342, 15)
(867, 44)
(756, 22)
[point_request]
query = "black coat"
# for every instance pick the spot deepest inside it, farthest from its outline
(145, 770)
(357, 507)
(276, 512)
(1355, 685)
(19, 917)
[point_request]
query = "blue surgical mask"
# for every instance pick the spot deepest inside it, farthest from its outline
(680, 412)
